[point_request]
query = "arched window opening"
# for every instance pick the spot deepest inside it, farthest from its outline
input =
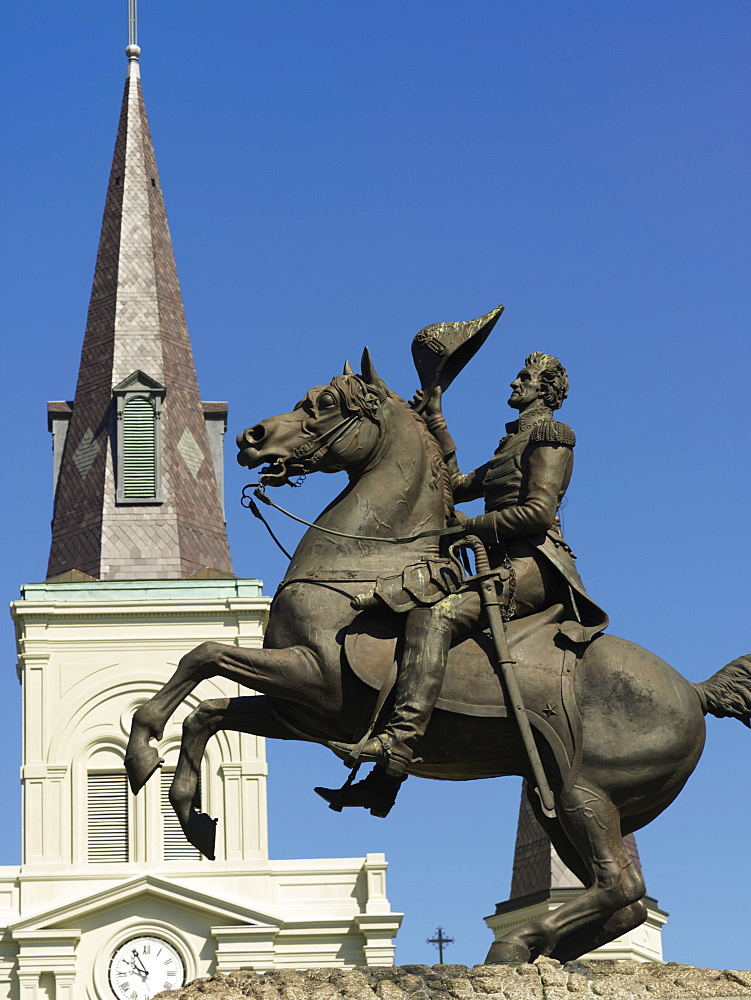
(139, 449)
(139, 401)
(107, 798)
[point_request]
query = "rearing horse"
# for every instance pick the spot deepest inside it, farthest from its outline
(640, 724)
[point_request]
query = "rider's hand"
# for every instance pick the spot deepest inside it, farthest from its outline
(459, 518)
(434, 407)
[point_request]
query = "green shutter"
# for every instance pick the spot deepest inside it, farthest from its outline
(139, 450)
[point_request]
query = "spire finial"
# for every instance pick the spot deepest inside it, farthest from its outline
(132, 22)
(133, 51)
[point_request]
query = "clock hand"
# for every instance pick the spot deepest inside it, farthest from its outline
(138, 959)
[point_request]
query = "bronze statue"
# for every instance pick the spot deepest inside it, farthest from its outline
(523, 486)
(607, 728)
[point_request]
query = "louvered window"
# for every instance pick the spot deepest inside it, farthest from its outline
(107, 794)
(175, 846)
(139, 450)
(139, 406)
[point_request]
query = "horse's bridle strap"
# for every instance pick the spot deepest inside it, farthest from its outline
(308, 451)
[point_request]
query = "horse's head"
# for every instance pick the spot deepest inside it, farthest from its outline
(334, 427)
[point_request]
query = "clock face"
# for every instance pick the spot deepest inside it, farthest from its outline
(143, 967)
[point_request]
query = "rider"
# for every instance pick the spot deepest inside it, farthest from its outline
(523, 486)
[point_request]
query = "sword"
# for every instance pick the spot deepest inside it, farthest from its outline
(492, 604)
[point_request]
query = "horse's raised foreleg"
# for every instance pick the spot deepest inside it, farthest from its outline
(243, 715)
(293, 673)
(607, 908)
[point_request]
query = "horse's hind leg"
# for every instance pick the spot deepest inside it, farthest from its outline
(243, 715)
(591, 936)
(588, 826)
(594, 936)
(283, 672)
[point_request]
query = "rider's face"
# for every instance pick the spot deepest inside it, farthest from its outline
(526, 389)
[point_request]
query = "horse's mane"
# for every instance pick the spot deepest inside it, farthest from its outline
(360, 397)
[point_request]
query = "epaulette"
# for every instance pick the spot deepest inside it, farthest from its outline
(553, 432)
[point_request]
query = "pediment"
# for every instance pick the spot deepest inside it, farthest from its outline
(154, 887)
(138, 381)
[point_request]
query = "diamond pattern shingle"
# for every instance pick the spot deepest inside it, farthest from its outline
(136, 320)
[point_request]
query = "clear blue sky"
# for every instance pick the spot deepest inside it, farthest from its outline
(342, 173)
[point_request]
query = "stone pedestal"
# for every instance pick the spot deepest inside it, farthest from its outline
(543, 980)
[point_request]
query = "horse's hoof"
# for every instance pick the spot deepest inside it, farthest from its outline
(508, 953)
(140, 765)
(201, 832)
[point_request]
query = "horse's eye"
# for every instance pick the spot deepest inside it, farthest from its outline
(326, 401)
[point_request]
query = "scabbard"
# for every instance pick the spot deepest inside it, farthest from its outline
(492, 605)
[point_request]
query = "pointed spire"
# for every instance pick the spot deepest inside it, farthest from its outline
(137, 341)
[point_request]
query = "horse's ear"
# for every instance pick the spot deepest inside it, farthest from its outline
(369, 374)
(347, 368)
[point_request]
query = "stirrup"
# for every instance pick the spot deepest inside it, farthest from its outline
(395, 764)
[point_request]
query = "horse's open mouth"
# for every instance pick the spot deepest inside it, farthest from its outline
(278, 473)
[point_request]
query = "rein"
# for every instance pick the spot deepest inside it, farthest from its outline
(247, 501)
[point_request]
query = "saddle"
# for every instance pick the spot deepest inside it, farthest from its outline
(545, 669)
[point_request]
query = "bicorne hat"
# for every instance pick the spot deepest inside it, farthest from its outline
(441, 350)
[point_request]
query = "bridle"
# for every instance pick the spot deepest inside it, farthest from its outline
(308, 461)
(309, 454)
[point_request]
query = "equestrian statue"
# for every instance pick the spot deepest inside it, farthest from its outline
(387, 645)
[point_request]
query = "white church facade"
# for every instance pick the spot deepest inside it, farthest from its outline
(101, 866)
(109, 899)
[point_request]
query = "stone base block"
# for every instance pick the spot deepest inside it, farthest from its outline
(543, 980)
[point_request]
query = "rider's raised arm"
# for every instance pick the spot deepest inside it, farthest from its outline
(464, 487)
(548, 472)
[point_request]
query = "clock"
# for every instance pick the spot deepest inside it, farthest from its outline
(144, 966)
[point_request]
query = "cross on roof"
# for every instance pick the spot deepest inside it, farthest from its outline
(440, 940)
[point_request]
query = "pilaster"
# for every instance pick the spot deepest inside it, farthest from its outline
(246, 828)
(379, 933)
(244, 947)
(46, 952)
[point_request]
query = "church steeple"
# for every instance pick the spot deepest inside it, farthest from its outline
(137, 454)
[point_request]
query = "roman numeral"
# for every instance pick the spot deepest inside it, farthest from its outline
(146, 949)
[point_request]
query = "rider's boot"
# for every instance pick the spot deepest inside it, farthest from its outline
(418, 684)
(376, 792)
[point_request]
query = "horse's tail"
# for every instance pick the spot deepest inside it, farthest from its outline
(727, 694)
